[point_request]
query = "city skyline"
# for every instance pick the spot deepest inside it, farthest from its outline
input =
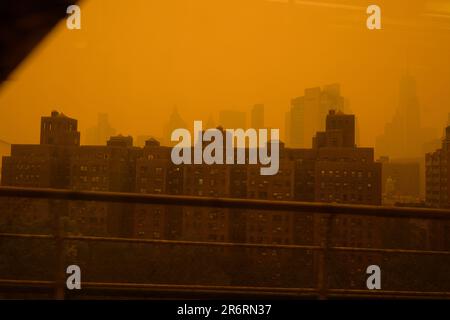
(226, 149)
(194, 58)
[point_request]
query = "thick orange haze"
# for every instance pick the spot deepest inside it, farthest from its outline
(137, 59)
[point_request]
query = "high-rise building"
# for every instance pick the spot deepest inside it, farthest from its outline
(287, 128)
(59, 130)
(257, 116)
(335, 169)
(99, 134)
(308, 111)
(404, 136)
(175, 122)
(296, 123)
(437, 179)
(44, 165)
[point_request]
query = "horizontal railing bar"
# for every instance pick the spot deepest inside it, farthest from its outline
(31, 283)
(231, 289)
(172, 200)
(401, 251)
(384, 293)
(222, 244)
(192, 243)
(26, 236)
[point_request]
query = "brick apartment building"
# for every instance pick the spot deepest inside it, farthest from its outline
(437, 179)
(334, 170)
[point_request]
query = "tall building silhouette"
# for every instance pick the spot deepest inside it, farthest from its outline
(295, 123)
(99, 134)
(175, 122)
(404, 136)
(308, 111)
(59, 130)
(339, 131)
(46, 164)
(257, 116)
(437, 179)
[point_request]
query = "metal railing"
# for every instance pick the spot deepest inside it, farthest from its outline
(323, 249)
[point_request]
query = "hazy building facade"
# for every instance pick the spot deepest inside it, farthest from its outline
(438, 175)
(400, 181)
(404, 136)
(99, 134)
(257, 116)
(307, 112)
(45, 165)
(156, 174)
(335, 169)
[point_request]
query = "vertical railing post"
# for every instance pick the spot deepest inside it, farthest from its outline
(59, 250)
(324, 232)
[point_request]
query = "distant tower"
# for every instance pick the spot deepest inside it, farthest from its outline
(309, 110)
(99, 134)
(175, 122)
(60, 130)
(404, 136)
(257, 117)
(296, 123)
(287, 128)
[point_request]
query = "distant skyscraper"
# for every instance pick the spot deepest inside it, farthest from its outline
(175, 122)
(404, 137)
(437, 175)
(230, 119)
(307, 112)
(99, 134)
(257, 118)
(297, 123)
(287, 128)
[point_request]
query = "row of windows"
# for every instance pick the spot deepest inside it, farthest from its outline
(337, 185)
(345, 197)
(345, 173)
(95, 168)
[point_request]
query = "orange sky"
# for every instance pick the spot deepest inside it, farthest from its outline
(138, 59)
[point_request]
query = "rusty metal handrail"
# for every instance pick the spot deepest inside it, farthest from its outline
(249, 204)
(329, 211)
